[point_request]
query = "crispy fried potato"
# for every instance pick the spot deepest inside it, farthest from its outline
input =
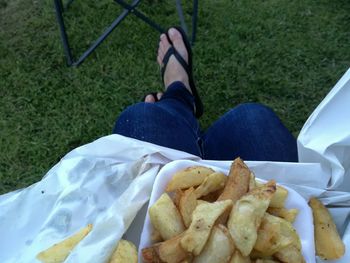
(188, 177)
(236, 186)
(274, 234)
(60, 251)
(237, 183)
(252, 182)
(178, 193)
(125, 252)
(219, 247)
(199, 202)
(203, 219)
(211, 183)
(246, 216)
(279, 198)
(213, 196)
(290, 254)
(165, 217)
(187, 205)
(155, 236)
(265, 261)
(238, 258)
(327, 240)
(167, 251)
(284, 213)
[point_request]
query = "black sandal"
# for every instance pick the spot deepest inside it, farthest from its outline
(187, 67)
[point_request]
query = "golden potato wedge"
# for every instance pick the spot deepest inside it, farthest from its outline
(178, 193)
(203, 219)
(252, 182)
(167, 251)
(246, 216)
(165, 217)
(290, 254)
(266, 261)
(218, 248)
(125, 252)
(238, 258)
(213, 196)
(279, 198)
(273, 235)
(186, 178)
(155, 236)
(60, 251)
(327, 240)
(199, 202)
(284, 213)
(187, 205)
(211, 183)
(237, 185)
(237, 182)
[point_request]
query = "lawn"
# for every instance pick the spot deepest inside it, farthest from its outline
(286, 54)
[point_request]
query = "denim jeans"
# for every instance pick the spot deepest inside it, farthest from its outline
(251, 131)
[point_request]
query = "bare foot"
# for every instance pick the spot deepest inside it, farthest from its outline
(174, 71)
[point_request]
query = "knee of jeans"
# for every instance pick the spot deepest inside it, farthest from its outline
(139, 111)
(252, 109)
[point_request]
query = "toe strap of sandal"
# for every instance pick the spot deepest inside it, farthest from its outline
(172, 51)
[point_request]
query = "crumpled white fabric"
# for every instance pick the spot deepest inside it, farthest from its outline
(109, 181)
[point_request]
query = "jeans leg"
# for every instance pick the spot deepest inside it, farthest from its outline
(251, 131)
(169, 122)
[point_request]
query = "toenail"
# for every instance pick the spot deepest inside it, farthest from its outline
(172, 32)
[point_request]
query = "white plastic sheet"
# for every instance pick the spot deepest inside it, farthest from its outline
(108, 181)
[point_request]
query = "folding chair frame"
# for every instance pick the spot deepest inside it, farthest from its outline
(128, 9)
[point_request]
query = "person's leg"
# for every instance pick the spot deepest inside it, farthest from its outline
(169, 122)
(251, 131)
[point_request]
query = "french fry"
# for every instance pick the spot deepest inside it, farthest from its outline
(203, 219)
(211, 183)
(266, 261)
(290, 254)
(238, 258)
(188, 177)
(327, 240)
(125, 252)
(252, 182)
(201, 202)
(218, 248)
(246, 216)
(284, 213)
(237, 182)
(279, 198)
(166, 218)
(60, 251)
(236, 186)
(187, 205)
(178, 193)
(167, 251)
(274, 234)
(155, 236)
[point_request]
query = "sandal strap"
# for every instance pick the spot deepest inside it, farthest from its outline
(172, 51)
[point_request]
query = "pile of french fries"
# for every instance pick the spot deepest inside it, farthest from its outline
(206, 216)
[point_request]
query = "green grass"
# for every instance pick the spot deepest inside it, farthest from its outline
(286, 54)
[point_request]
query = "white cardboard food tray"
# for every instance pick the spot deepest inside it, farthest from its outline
(303, 223)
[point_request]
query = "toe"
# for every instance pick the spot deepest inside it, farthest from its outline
(149, 98)
(159, 95)
(176, 37)
(164, 44)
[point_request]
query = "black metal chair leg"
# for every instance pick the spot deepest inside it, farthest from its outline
(194, 21)
(67, 50)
